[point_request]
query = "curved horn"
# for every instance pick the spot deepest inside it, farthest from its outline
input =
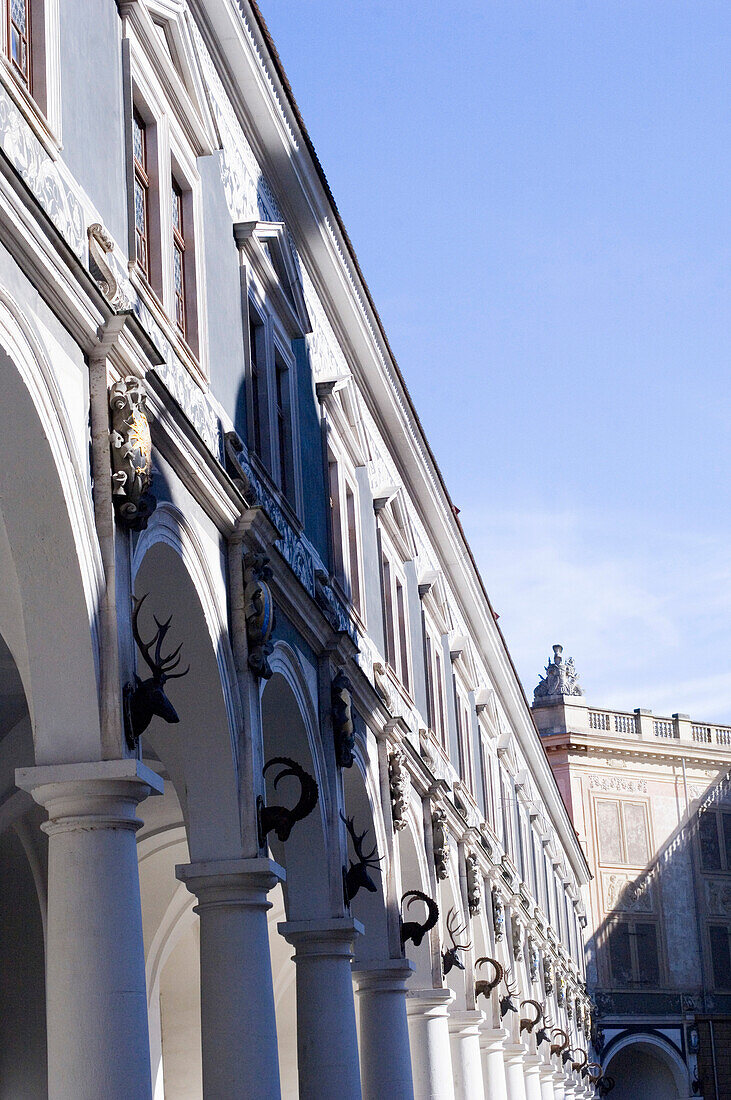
(595, 1071)
(499, 974)
(280, 818)
(556, 1048)
(431, 905)
(584, 1059)
(526, 1024)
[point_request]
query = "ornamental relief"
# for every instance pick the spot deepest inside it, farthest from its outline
(625, 895)
(718, 897)
(617, 783)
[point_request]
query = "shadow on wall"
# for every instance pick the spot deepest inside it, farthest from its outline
(663, 951)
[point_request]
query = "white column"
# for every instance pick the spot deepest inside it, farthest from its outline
(431, 1061)
(327, 1041)
(96, 1005)
(385, 1059)
(492, 1044)
(547, 1089)
(464, 1032)
(531, 1071)
(238, 1025)
(558, 1085)
(514, 1054)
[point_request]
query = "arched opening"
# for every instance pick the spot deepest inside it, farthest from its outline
(368, 906)
(414, 876)
(647, 1066)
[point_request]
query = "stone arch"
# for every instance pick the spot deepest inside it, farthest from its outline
(648, 1064)
(50, 563)
(290, 728)
(200, 754)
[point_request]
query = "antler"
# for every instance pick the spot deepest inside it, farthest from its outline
(279, 818)
(358, 838)
(453, 917)
(526, 1024)
(412, 930)
(484, 988)
(159, 666)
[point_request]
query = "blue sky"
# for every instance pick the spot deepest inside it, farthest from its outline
(538, 192)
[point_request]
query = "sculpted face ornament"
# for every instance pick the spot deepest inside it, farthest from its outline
(278, 818)
(357, 874)
(342, 719)
(131, 454)
(450, 957)
(258, 612)
(412, 930)
(144, 699)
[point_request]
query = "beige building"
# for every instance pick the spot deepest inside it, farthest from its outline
(649, 798)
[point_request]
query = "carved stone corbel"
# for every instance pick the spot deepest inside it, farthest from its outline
(517, 939)
(560, 990)
(131, 454)
(399, 785)
(259, 612)
(532, 959)
(440, 837)
(548, 976)
(101, 245)
(342, 719)
(474, 883)
(498, 914)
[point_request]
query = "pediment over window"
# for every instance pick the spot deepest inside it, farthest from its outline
(266, 247)
(163, 31)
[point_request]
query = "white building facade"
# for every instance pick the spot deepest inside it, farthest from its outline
(274, 815)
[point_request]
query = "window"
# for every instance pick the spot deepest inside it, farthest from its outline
(719, 935)
(622, 832)
(395, 621)
(141, 195)
(283, 414)
(19, 40)
(464, 742)
(435, 688)
(714, 833)
(258, 382)
(634, 957)
(344, 531)
(179, 260)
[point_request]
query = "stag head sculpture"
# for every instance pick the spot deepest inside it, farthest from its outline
(279, 818)
(507, 1003)
(144, 699)
(484, 988)
(450, 957)
(544, 1033)
(526, 1024)
(412, 930)
(357, 874)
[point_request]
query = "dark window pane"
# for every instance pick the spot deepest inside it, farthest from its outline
(635, 831)
(403, 648)
(388, 613)
(442, 730)
(720, 956)
(620, 958)
(726, 819)
(353, 563)
(258, 389)
(610, 837)
(710, 849)
(337, 532)
(648, 963)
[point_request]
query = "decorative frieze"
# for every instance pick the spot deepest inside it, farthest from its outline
(617, 783)
(625, 895)
(399, 785)
(440, 839)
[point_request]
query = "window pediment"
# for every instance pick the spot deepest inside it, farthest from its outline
(267, 249)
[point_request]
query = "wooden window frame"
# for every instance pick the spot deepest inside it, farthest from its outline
(26, 79)
(178, 242)
(142, 180)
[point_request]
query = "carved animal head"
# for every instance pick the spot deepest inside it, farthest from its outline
(279, 818)
(544, 1033)
(412, 930)
(605, 1085)
(594, 1072)
(450, 957)
(484, 988)
(357, 874)
(507, 1002)
(526, 1024)
(579, 1063)
(562, 1047)
(147, 698)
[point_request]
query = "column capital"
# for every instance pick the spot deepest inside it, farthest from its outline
(244, 883)
(384, 976)
(428, 1002)
(98, 794)
(330, 936)
(465, 1023)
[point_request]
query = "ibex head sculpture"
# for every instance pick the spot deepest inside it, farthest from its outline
(450, 957)
(559, 1048)
(507, 1004)
(357, 874)
(412, 930)
(526, 1024)
(594, 1072)
(605, 1084)
(144, 699)
(279, 818)
(484, 988)
(579, 1063)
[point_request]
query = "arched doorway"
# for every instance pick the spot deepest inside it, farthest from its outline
(646, 1066)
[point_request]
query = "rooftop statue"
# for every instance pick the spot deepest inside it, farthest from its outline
(560, 678)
